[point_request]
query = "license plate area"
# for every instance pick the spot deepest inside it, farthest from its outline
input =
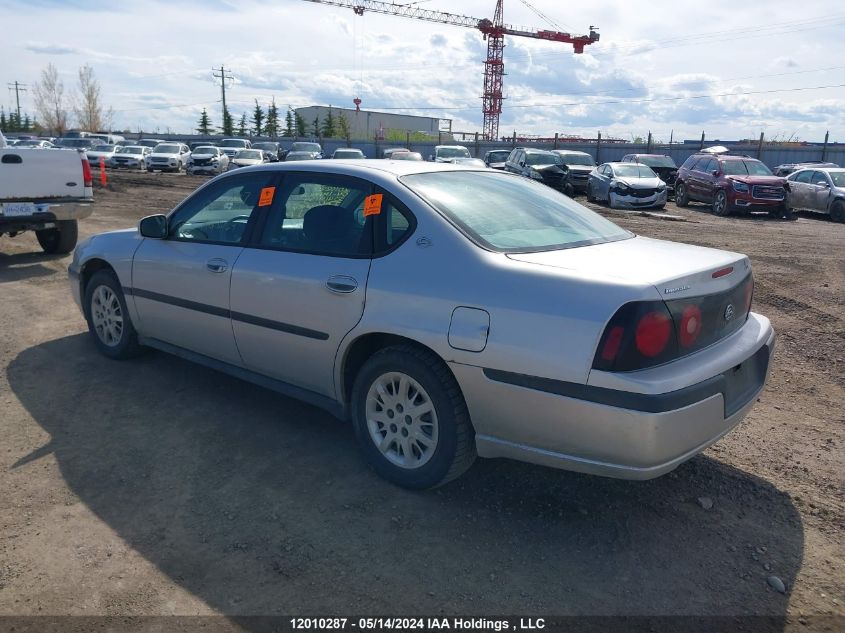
(17, 209)
(743, 381)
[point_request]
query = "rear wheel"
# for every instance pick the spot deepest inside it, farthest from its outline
(720, 204)
(59, 240)
(107, 316)
(410, 418)
(590, 196)
(837, 211)
(681, 195)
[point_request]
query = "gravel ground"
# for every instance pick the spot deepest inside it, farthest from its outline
(156, 487)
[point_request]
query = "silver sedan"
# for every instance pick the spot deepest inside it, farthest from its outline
(626, 186)
(819, 189)
(446, 311)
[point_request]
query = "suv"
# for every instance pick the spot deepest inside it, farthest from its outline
(660, 164)
(789, 168)
(542, 165)
(730, 183)
(496, 158)
(445, 153)
(579, 165)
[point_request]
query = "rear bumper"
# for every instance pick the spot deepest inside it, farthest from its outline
(47, 214)
(628, 436)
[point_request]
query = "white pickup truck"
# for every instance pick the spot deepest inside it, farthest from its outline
(46, 191)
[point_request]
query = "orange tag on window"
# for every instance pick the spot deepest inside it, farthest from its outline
(266, 198)
(372, 204)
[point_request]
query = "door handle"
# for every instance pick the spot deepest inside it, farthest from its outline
(342, 284)
(217, 265)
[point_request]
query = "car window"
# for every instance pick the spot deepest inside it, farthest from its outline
(838, 178)
(398, 221)
(816, 177)
(220, 213)
(321, 214)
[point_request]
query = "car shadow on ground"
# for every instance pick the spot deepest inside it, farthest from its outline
(22, 266)
(258, 504)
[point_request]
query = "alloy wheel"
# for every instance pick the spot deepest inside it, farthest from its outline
(107, 316)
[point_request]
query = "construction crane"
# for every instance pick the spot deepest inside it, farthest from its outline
(494, 32)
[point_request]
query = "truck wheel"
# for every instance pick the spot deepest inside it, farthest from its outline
(720, 204)
(410, 418)
(107, 316)
(681, 195)
(837, 211)
(59, 240)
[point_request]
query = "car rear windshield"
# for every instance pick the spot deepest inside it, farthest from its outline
(232, 142)
(510, 214)
(249, 154)
(452, 152)
(745, 168)
(577, 159)
(166, 149)
(633, 171)
(838, 178)
(305, 147)
(205, 150)
(657, 161)
(133, 150)
(543, 159)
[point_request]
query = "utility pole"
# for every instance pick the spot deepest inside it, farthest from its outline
(223, 76)
(19, 88)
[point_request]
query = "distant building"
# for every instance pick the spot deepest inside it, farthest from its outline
(366, 124)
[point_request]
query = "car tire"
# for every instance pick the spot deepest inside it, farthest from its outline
(611, 200)
(59, 240)
(108, 318)
(385, 431)
(720, 204)
(149, 170)
(681, 195)
(837, 211)
(589, 193)
(660, 207)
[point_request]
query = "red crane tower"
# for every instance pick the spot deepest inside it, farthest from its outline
(494, 32)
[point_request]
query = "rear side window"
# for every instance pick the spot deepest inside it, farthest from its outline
(321, 214)
(689, 162)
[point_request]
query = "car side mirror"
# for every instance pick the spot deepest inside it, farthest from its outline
(522, 163)
(715, 172)
(153, 226)
(822, 183)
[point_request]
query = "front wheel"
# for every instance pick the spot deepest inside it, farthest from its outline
(837, 211)
(59, 240)
(108, 319)
(681, 195)
(720, 204)
(611, 200)
(590, 196)
(410, 418)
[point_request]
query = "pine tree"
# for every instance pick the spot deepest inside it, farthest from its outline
(204, 126)
(4, 124)
(315, 126)
(27, 124)
(343, 129)
(300, 124)
(257, 120)
(242, 130)
(271, 127)
(289, 123)
(228, 124)
(328, 129)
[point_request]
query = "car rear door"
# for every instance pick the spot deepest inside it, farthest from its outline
(180, 285)
(700, 177)
(799, 184)
(300, 286)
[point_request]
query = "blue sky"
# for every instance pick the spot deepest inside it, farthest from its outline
(669, 67)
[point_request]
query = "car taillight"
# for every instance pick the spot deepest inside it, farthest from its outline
(653, 333)
(87, 177)
(690, 326)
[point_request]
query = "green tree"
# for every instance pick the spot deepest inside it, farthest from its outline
(271, 127)
(288, 131)
(27, 124)
(343, 129)
(315, 126)
(257, 120)
(228, 127)
(204, 126)
(242, 129)
(300, 124)
(4, 124)
(328, 129)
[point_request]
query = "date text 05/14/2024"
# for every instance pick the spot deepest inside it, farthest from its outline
(416, 623)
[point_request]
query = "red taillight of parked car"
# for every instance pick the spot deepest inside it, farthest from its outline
(87, 177)
(653, 333)
(644, 334)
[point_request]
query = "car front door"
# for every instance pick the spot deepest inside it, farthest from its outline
(180, 285)
(300, 288)
(818, 191)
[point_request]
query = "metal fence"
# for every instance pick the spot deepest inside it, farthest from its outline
(772, 155)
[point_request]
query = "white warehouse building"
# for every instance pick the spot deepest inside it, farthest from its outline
(366, 124)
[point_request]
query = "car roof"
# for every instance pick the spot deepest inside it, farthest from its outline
(535, 150)
(572, 151)
(655, 155)
(385, 166)
(727, 156)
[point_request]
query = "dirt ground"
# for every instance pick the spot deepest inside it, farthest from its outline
(156, 487)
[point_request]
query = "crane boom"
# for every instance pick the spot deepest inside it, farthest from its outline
(493, 30)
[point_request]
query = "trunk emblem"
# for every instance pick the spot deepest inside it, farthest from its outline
(729, 312)
(669, 291)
